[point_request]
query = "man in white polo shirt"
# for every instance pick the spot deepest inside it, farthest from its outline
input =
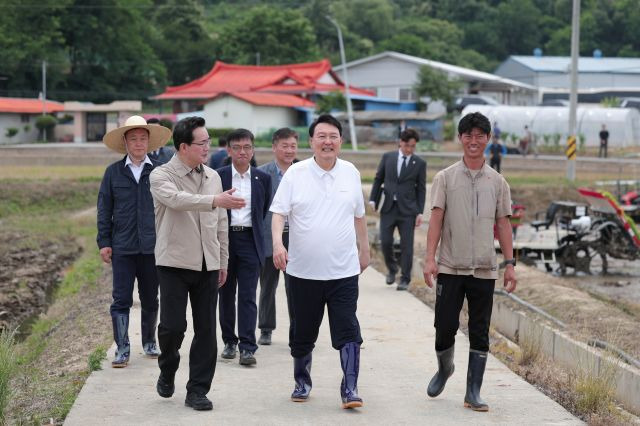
(328, 249)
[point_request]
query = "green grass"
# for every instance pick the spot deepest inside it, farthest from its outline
(8, 360)
(85, 271)
(96, 357)
(45, 197)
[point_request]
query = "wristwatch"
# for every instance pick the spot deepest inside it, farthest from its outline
(509, 262)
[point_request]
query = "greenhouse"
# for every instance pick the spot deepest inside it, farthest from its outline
(550, 124)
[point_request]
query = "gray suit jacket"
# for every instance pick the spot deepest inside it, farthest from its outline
(272, 170)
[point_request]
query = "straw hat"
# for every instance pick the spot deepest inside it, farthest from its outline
(158, 135)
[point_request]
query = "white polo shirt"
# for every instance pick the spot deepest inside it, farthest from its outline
(321, 207)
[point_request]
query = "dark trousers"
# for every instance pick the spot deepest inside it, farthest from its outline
(201, 287)
(494, 162)
(602, 152)
(126, 268)
(308, 299)
(269, 277)
(450, 293)
(243, 272)
(406, 227)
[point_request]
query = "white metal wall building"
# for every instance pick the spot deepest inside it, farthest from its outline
(392, 75)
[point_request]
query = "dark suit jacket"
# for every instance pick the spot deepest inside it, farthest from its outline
(260, 202)
(409, 188)
(272, 170)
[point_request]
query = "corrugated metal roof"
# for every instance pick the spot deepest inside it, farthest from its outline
(28, 106)
(466, 74)
(587, 64)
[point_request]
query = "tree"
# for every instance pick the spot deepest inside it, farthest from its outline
(370, 19)
(436, 85)
(109, 56)
(29, 35)
(181, 23)
(279, 36)
(331, 101)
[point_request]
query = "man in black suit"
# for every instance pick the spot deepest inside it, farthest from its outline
(246, 247)
(401, 177)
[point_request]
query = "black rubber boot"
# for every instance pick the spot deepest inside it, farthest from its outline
(350, 362)
(302, 376)
(475, 372)
(148, 322)
(445, 370)
(121, 337)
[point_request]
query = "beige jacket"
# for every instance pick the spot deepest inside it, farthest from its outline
(471, 206)
(187, 227)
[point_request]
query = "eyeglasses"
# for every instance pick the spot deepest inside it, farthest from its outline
(238, 148)
(324, 138)
(206, 142)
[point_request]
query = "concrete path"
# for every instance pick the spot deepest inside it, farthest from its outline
(397, 361)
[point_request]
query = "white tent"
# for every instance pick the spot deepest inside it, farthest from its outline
(623, 123)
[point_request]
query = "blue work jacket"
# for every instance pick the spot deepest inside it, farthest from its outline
(126, 221)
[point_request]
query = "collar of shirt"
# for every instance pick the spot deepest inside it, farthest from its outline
(128, 162)
(234, 172)
(320, 172)
(479, 172)
(400, 154)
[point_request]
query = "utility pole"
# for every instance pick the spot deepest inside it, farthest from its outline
(44, 87)
(573, 95)
(352, 127)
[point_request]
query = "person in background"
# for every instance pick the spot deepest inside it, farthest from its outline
(164, 153)
(525, 142)
(467, 199)
(401, 175)
(495, 151)
(126, 231)
(497, 133)
(217, 158)
(285, 147)
(604, 142)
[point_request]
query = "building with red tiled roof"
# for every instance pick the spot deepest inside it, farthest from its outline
(258, 98)
(18, 118)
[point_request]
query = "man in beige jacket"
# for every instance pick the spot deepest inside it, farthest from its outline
(191, 256)
(467, 199)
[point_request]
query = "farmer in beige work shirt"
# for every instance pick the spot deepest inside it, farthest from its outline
(467, 199)
(191, 255)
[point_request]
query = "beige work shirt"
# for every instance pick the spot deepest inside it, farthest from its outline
(188, 228)
(471, 206)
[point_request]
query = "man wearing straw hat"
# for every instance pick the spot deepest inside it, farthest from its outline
(126, 231)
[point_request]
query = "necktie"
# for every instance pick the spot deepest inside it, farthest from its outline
(404, 165)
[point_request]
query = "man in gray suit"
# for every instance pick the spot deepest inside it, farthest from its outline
(285, 147)
(401, 177)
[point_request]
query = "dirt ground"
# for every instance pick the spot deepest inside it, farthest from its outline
(30, 269)
(606, 307)
(76, 327)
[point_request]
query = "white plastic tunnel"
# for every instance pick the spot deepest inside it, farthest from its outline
(551, 123)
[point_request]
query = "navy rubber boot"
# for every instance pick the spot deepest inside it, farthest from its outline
(121, 337)
(148, 322)
(302, 376)
(350, 362)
